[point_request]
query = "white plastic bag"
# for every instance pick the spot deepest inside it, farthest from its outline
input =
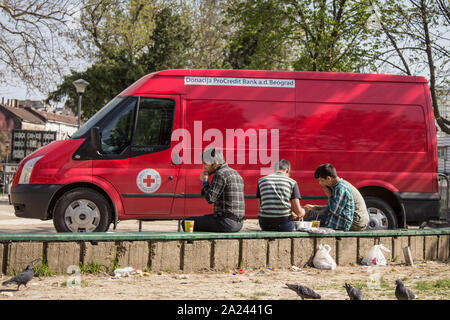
(323, 260)
(375, 257)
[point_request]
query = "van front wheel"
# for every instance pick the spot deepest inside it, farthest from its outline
(381, 214)
(82, 210)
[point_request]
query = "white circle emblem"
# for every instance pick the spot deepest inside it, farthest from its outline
(148, 180)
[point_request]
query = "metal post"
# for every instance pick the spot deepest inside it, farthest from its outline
(4, 167)
(79, 110)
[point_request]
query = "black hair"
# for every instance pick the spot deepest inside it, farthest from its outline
(324, 171)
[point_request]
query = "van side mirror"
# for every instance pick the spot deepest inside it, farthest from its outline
(95, 139)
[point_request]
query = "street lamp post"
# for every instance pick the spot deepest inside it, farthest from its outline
(80, 86)
(4, 167)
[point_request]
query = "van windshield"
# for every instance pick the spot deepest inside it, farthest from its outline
(96, 117)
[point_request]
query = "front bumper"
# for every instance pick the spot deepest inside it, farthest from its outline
(32, 200)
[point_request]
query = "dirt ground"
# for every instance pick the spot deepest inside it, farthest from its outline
(429, 281)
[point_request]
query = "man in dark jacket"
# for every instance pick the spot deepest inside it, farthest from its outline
(226, 192)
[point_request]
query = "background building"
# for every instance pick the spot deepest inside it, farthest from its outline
(32, 116)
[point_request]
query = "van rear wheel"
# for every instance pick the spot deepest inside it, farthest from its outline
(82, 210)
(381, 214)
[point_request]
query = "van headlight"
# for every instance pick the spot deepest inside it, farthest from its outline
(27, 170)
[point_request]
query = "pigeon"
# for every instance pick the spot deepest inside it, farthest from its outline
(22, 278)
(423, 225)
(353, 293)
(303, 291)
(403, 293)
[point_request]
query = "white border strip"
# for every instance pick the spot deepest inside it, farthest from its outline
(239, 82)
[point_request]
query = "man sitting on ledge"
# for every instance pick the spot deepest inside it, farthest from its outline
(275, 193)
(226, 191)
(340, 209)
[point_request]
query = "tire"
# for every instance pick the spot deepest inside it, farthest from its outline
(381, 214)
(82, 210)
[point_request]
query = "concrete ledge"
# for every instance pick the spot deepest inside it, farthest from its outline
(303, 251)
(225, 254)
(20, 254)
(196, 255)
(191, 252)
(133, 236)
(165, 255)
(61, 255)
(133, 253)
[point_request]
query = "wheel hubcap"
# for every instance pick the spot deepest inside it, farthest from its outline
(82, 216)
(378, 220)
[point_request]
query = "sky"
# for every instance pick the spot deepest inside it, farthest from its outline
(19, 92)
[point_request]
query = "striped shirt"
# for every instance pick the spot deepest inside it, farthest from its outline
(276, 192)
(341, 207)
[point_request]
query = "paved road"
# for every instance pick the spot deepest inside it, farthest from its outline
(9, 223)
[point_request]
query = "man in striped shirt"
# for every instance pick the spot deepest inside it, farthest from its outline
(275, 193)
(341, 204)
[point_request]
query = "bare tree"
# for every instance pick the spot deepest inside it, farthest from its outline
(444, 6)
(32, 40)
(416, 43)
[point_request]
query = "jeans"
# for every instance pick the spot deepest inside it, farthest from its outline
(276, 224)
(214, 223)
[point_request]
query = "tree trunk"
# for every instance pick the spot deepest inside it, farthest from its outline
(441, 121)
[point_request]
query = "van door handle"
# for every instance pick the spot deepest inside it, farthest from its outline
(170, 178)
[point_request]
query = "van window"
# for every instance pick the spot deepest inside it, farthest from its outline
(154, 122)
(103, 112)
(116, 135)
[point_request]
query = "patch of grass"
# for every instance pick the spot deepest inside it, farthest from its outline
(257, 295)
(384, 284)
(433, 285)
(359, 284)
(92, 267)
(42, 271)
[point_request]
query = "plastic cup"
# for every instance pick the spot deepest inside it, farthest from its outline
(189, 226)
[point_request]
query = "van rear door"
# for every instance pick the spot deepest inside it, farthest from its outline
(136, 154)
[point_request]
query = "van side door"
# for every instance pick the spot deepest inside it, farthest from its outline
(136, 154)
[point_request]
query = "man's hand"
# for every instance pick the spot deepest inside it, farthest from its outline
(308, 208)
(204, 176)
(300, 215)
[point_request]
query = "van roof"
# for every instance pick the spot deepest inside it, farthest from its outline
(290, 75)
(141, 85)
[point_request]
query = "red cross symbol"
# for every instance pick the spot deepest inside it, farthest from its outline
(149, 180)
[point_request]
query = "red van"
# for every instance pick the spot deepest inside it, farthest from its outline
(139, 157)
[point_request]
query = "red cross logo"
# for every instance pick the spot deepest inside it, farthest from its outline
(149, 180)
